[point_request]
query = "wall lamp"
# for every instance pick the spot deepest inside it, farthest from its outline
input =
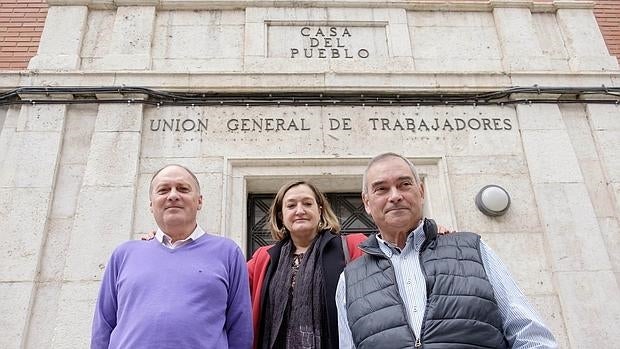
(493, 200)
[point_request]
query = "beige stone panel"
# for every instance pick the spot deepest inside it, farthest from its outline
(583, 40)
(484, 164)
(524, 255)
(608, 143)
(549, 308)
(44, 316)
(201, 18)
(573, 234)
(447, 64)
(61, 39)
(520, 46)
(588, 301)
(7, 132)
(560, 79)
(76, 306)
(603, 116)
(102, 221)
(23, 214)
(550, 37)
(49, 117)
(522, 215)
(254, 41)
(31, 160)
(450, 19)
(615, 187)
(600, 193)
(55, 249)
(79, 126)
(14, 307)
(540, 117)
(198, 42)
(198, 65)
(66, 190)
(97, 37)
(199, 165)
(114, 117)
(611, 235)
(130, 47)
(550, 157)
(113, 159)
(579, 131)
(467, 42)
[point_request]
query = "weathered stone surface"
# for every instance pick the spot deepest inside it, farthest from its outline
(61, 39)
(76, 305)
(525, 256)
(550, 309)
(572, 231)
(45, 307)
(608, 144)
(520, 46)
(550, 38)
(469, 41)
(542, 146)
(15, 308)
(587, 302)
(102, 221)
(584, 42)
(132, 35)
(113, 159)
(611, 235)
(540, 117)
(603, 117)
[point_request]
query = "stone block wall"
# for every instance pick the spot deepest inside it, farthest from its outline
(75, 176)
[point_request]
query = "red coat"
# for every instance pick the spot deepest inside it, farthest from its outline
(259, 265)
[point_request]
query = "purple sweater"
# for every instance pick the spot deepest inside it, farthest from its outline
(195, 296)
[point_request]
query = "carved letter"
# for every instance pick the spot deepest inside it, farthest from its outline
(294, 52)
(305, 31)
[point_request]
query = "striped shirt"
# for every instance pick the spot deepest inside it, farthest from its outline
(523, 327)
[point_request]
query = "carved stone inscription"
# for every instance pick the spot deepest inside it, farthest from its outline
(327, 42)
(300, 124)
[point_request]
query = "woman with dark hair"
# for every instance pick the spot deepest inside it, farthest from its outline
(293, 282)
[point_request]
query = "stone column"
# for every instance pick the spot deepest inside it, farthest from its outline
(132, 38)
(581, 267)
(103, 218)
(27, 180)
(61, 40)
(520, 46)
(584, 41)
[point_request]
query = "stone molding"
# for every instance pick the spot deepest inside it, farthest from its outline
(535, 6)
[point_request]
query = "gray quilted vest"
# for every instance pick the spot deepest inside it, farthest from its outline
(461, 311)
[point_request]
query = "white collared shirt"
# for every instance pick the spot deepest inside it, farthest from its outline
(165, 240)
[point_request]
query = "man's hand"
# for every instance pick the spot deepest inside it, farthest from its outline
(441, 230)
(150, 235)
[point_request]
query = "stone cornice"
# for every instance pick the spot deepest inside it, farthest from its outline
(420, 5)
(310, 82)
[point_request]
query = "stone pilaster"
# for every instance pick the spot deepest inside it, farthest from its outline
(132, 38)
(27, 180)
(103, 218)
(584, 42)
(61, 40)
(519, 42)
(573, 237)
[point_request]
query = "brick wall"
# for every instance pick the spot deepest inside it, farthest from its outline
(607, 13)
(21, 23)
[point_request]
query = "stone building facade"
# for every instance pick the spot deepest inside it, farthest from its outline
(250, 94)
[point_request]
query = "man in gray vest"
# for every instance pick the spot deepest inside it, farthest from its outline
(414, 288)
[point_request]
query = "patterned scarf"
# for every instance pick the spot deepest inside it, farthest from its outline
(294, 316)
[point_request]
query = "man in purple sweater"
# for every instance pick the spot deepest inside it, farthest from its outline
(183, 289)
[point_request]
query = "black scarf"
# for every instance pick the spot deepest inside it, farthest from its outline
(295, 318)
